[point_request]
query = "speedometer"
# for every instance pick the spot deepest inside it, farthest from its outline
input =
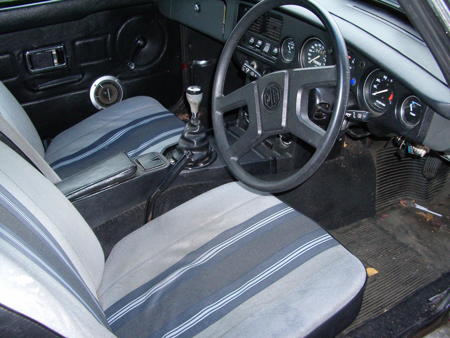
(313, 53)
(379, 91)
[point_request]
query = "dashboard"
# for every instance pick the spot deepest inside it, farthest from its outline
(276, 41)
(396, 87)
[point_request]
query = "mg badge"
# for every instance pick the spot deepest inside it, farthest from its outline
(271, 96)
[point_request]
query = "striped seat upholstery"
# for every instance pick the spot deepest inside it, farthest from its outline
(247, 265)
(134, 126)
(231, 262)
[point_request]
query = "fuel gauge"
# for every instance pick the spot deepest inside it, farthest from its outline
(288, 50)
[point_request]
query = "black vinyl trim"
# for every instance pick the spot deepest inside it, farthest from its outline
(22, 18)
(15, 324)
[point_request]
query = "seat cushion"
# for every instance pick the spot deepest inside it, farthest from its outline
(134, 126)
(231, 262)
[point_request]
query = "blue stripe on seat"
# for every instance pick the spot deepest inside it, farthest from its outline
(110, 138)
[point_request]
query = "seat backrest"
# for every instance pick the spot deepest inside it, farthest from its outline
(51, 262)
(12, 111)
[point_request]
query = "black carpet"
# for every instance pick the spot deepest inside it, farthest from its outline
(408, 250)
(341, 192)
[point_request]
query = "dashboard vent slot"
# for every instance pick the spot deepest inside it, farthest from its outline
(408, 178)
(268, 26)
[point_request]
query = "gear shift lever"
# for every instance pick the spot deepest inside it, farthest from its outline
(194, 140)
(194, 96)
(193, 149)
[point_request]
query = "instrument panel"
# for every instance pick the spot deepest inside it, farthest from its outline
(388, 104)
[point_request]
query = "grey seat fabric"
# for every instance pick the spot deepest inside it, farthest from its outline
(231, 262)
(134, 126)
(12, 112)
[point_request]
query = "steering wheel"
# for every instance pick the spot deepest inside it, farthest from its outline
(277, 103)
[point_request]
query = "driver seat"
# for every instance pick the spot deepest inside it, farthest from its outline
(231, 262)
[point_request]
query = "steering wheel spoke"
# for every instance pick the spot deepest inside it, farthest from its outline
(244, 144)
(314, 77)
(244, 96)
(302, 127)
(301, 81)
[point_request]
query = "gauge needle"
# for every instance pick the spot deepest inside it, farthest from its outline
(411, 108)
(312, 60)
(380, 92)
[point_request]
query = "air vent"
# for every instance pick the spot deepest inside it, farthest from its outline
(408, 178)
(268, 26)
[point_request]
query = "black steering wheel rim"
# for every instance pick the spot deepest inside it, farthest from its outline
(282, 79)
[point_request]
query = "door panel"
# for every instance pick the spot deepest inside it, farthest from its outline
(102, 43)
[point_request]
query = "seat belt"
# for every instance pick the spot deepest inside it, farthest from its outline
(28, 150)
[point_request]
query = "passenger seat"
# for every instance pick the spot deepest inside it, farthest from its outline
(135, 126)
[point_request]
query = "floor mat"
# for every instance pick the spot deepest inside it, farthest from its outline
(403, 248)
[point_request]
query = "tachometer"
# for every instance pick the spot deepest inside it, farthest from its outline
(313, 53)
(379, 91)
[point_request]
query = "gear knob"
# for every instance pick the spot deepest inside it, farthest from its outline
(194, 95)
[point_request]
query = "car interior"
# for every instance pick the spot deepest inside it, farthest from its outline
(232, 168)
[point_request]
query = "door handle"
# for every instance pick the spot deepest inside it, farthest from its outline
(45, 59)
